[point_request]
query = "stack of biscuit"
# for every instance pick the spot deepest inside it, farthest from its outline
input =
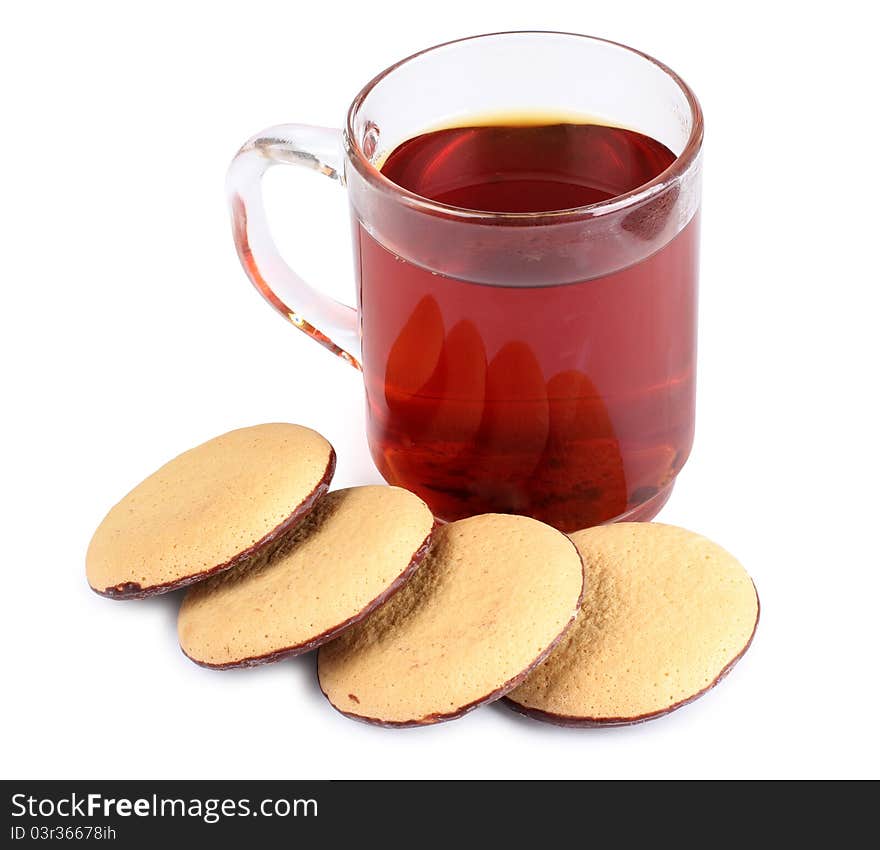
(417, 622)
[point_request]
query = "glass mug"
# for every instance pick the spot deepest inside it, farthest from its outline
(540, 363)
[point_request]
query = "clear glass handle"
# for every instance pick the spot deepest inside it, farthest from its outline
(325, 320)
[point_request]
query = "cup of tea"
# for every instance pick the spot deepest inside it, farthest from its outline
(525, 216)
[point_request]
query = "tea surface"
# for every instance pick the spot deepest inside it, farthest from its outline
(526, 168)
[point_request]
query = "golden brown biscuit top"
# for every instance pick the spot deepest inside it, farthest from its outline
(209, 505)
(354, 548)
(665, 612)
(492, 596)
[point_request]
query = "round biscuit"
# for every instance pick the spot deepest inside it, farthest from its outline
(491, 599)
(354, 550)
(209, 509)
(666, 615)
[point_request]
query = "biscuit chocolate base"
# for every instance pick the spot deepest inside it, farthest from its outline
(329, 634)
(134, 590)
(573, 722)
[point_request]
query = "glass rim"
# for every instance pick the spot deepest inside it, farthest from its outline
(645, 191)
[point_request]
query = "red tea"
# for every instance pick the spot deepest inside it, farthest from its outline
(572, 403)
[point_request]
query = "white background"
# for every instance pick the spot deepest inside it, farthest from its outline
(130, 333)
